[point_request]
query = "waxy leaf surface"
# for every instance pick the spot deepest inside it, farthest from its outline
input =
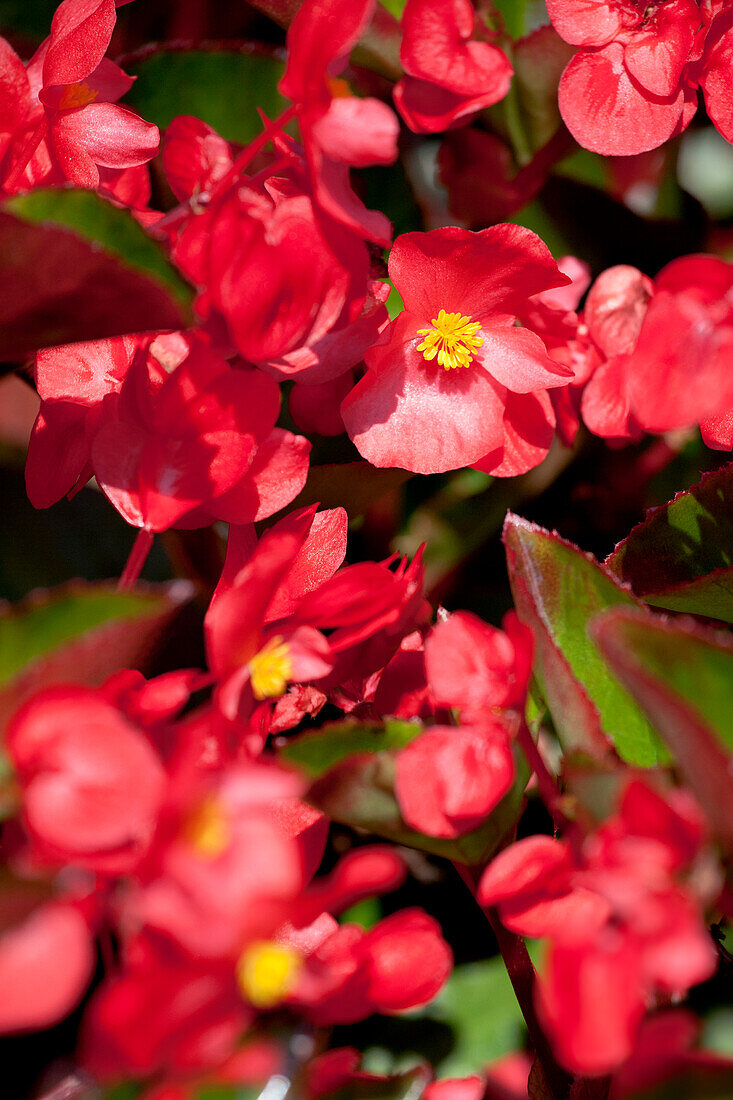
(221, 87)
(76, 268)
(682, 676)
(681, 556)
(557, 590)
(352, 768)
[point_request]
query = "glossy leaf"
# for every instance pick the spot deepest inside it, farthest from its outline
(680, 556)
(80, 633)
(557, 591)
(352, 766)
(75, 267)
(316, 753)
(682, 676)
(222, 87)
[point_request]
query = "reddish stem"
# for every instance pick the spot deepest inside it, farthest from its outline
(545, 781)
(523, 978)
(138, 556)
(250, 152)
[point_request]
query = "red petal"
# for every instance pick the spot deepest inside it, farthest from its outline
(586, 22)
(607, 113)
(45, 965)
(415, 415)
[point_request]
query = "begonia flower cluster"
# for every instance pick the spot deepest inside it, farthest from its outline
(222, 825)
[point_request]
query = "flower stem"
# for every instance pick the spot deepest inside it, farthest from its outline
(135, 562)
(545, 781)
(523, 978)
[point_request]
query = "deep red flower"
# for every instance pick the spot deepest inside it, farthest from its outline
(294, 287)
(668, 346)
(475, 667)
(255, 645)
(450, 75)
(46, 962)
(450, 778)
(400, 963)
(92, 782)
(342, 130)
(72, 381)
(453, 381)
(620, 915)
(72, 127)
(188, 438)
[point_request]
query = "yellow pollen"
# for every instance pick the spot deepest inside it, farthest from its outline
(267, 972)
(207, 829)
(77, 95)
(270, 669)
(453, 338)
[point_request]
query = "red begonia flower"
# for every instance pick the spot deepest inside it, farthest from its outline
(450, 778)
(192, 439)
(717, 67)
(680, 368)
(342, 130)
(164, 1011)
(226, 870)
(476, 667)
(630, 86)
(400, 963)
(449, 75)
(252, 654)
(92, 782)
(46, 962)
(72, 382)
(440, 379)
(73, 128)
(618, 914)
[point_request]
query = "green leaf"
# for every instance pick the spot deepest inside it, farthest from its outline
(352, 766)
(394, 7)
(479, 1005)
(557, 590)
(222, 87)
(681, 556)
(75, 267)
(682, 676)
(316, 753)
(79, 633)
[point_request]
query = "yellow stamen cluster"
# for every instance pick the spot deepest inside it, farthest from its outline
(267, 972)
(270, 669)
(453, 338)
(207, 829)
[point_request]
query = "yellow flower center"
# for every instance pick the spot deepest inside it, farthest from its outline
(267, 972)
(77, 95)
(207, 829)
(270, 669)
(453, 338)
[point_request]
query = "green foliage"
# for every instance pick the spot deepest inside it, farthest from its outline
(479, 1005)
(352, 766)
(557, 591)
(680, 557)
(89, 270)
(80, 633)
(222, 87)
(682, 676)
